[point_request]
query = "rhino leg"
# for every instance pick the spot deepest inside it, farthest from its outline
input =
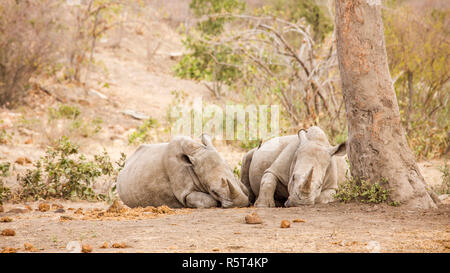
(326, 196)
(198, 199)
(267, 191)
(245, 170)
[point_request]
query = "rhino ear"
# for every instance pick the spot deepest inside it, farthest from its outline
(339, 150)
(186, 160)
(302, 135)
(206, 140)
(190, 147)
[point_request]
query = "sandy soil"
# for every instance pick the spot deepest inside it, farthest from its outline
(326, 228)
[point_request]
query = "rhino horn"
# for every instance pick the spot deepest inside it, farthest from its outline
(308, 182)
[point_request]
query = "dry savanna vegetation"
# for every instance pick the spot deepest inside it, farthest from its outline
(83, 84)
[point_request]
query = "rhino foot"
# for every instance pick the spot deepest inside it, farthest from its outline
(260, 203)
(326, 196)
(200, 200)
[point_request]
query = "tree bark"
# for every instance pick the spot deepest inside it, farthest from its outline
(377, 146)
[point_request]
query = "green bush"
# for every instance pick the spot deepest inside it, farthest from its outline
(362, 191)
(76, 124)
(65, 173)
(5, 192)
(444, 187)
(64, 111)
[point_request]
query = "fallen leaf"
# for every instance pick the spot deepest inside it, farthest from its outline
(79, 211)
(119, 245)
(57, 206)
(23, 160)
(299, 220)
(65, 218)
(9, 250)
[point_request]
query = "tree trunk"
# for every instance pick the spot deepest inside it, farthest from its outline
(410, 98)
(378, 150)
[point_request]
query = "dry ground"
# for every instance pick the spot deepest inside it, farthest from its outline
(138, 77)
(326, 228)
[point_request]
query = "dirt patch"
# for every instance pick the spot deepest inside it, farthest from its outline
(324, 228)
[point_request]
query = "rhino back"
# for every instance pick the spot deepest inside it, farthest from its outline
(143, 181)
(265, 156)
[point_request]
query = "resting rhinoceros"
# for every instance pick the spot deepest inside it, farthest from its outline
(181, 173)
(294, 170)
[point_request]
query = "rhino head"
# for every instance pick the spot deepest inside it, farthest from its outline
(212, 174)
(309, 168)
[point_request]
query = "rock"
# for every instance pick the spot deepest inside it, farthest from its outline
(86, 248)
(253, 219)
(136, 115)
(29, 141)
(285, 224)
(105, 245)
(74, 247)
(175, 55)
(43, 207)
(16, 211)
(60, 211)
(8, 232)
(373, 247)
(93, 92)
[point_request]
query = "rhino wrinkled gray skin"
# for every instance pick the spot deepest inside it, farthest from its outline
(294, 170)
(180, 173)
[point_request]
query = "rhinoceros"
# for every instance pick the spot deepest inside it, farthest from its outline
(294, 170)
(180, 173)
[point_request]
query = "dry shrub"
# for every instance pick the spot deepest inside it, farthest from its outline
(28, 30)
